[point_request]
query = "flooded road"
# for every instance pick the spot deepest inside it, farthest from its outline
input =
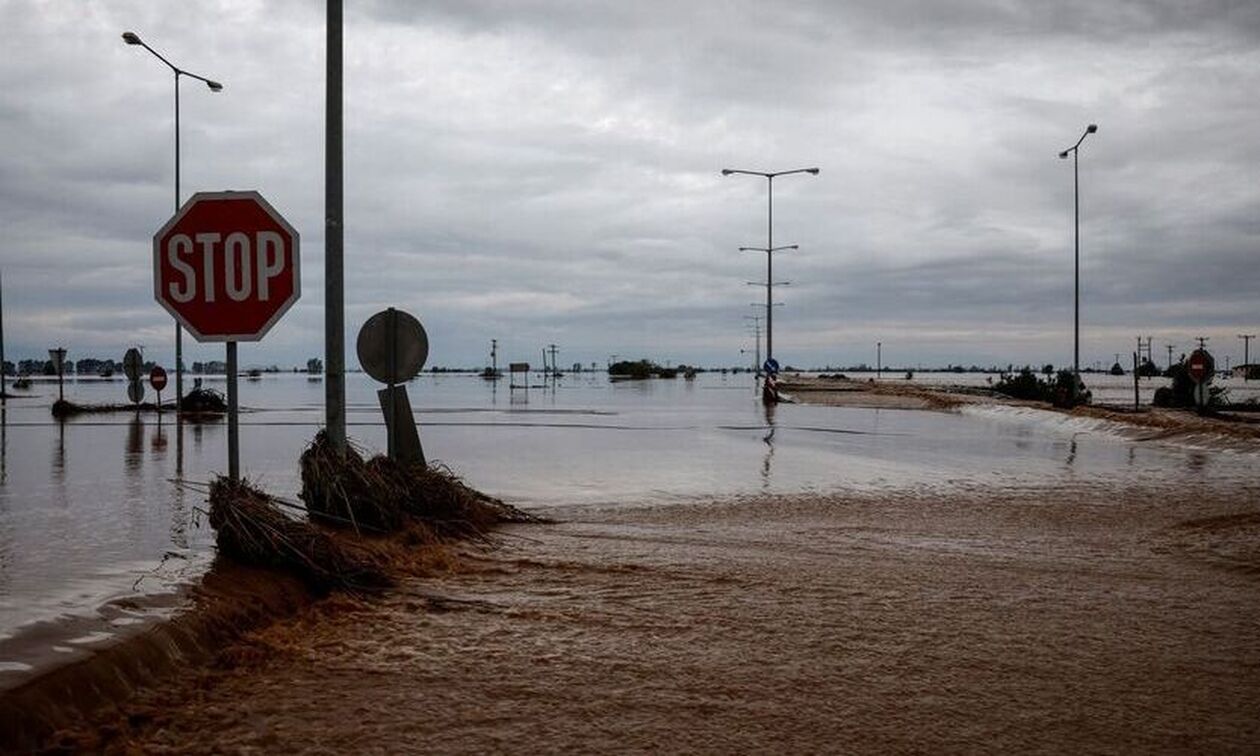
(1086, 618)
(92, 517)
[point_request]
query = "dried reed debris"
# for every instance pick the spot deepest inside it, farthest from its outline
(251, 528)
(382, 493)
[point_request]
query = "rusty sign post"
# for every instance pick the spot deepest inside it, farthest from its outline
(226, 266)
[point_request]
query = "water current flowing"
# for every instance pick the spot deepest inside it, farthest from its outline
(97, 534)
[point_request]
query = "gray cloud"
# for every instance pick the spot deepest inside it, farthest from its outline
(545, 171)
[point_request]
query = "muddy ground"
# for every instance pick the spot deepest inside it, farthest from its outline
(1079, 619)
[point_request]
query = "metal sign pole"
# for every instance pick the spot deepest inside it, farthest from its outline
(334, 287)
(392, 420)
(234, 441)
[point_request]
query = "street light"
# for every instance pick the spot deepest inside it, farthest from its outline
(769, 249)
(132, 38)
(1074, 150)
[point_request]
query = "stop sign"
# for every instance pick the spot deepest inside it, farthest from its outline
(157, 378)
(1200, 365)
(226, 266)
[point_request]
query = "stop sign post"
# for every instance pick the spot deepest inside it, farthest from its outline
(1200, 366)
(157, 379)
(226, 266)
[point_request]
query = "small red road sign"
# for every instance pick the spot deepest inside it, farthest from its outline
(1200, 365)
(157, 378)
(226, 266)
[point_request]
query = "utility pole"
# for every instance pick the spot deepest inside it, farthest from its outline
(552, 349)
(1144, 349)
(756, 319)
(1203, 340)
(1170, 350)
(879, 359)
(1246, 337)
(494, 357)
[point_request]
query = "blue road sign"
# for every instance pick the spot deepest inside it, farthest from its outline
(771, 365)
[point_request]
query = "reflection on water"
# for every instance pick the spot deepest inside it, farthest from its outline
(78, 525)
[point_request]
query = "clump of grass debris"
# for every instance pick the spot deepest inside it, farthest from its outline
(251, 528)
(382, 494)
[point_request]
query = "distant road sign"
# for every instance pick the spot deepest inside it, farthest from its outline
(1200, 366)
(157, 378)
(771, 365)
(132, 362)
(518, 367)
(58, 359)
(392, 346)
(226, 266)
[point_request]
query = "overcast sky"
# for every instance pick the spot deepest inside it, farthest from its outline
(546, 171)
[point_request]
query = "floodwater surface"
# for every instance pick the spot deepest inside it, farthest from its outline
(1081, 618)
(104, 508)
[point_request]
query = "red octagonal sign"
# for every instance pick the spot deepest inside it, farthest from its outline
(226, 266)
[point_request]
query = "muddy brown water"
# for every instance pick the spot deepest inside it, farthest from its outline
(1086, 617)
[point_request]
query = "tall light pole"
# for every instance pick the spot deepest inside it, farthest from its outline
(1074, 151)
(769, 249)
(132, 38)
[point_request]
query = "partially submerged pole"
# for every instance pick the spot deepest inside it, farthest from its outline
(234, 426)
(334, 285)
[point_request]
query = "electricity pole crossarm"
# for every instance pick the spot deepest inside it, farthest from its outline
(769, 249)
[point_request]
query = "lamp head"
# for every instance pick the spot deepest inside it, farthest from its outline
(1063, 154)
(214, 86)
(812, 170)
(131, 38)
(1093, 127)
(727, 171)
